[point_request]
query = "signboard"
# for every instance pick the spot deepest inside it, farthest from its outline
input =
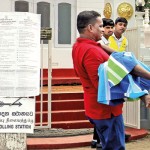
(46, 33)
(19, 54)
(17, 115)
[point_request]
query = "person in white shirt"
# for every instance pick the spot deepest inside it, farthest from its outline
(108, 25)
(113, 39)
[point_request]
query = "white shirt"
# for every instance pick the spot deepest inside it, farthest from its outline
(104, 41)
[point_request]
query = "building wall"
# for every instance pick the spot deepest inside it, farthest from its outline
(5, 6)
(96, 5)
(62, 56)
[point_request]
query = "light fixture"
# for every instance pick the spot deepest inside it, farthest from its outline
(140, 2)
(140, 5)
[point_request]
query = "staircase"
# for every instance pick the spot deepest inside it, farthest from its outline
(67, 101)
(67, 113)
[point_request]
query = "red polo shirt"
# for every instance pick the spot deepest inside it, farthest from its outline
(87, 56)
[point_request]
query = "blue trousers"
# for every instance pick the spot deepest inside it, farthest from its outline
(111, 132)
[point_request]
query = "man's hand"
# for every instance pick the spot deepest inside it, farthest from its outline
(146, 100)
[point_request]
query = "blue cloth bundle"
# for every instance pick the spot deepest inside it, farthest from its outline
(116, 82)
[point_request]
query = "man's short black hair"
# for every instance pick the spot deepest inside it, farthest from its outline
(85, 18)
(121, 19)
(108, 22)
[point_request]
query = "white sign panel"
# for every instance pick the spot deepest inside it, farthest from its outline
(19, 54)
(17, 115)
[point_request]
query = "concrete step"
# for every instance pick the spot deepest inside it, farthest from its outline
(62, 93)
(77, 104)
(76, 124)
(68, 115)
(67, 96)
(65, 115)
(58, 142)
(67, 105)
(44, 95)
(61, 76)
(63, 72)
(65, 80)
(75, 141)
(62, 80)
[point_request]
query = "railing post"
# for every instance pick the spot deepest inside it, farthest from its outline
(46, 34)
(49, 78)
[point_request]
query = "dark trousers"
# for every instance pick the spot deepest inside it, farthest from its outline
(111, 132)
(95, 135)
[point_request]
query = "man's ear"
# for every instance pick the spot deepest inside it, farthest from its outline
(90, 28)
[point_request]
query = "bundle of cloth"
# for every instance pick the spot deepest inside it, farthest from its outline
(116, 81)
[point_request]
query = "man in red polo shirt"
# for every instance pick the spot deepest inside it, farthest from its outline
(87, 55)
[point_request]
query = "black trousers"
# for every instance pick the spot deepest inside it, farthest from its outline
(95, 135)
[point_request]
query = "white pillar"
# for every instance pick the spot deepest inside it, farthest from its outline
(146, 16)
(139, 23)
(147, 35)
(139, 18)
(146, 29)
